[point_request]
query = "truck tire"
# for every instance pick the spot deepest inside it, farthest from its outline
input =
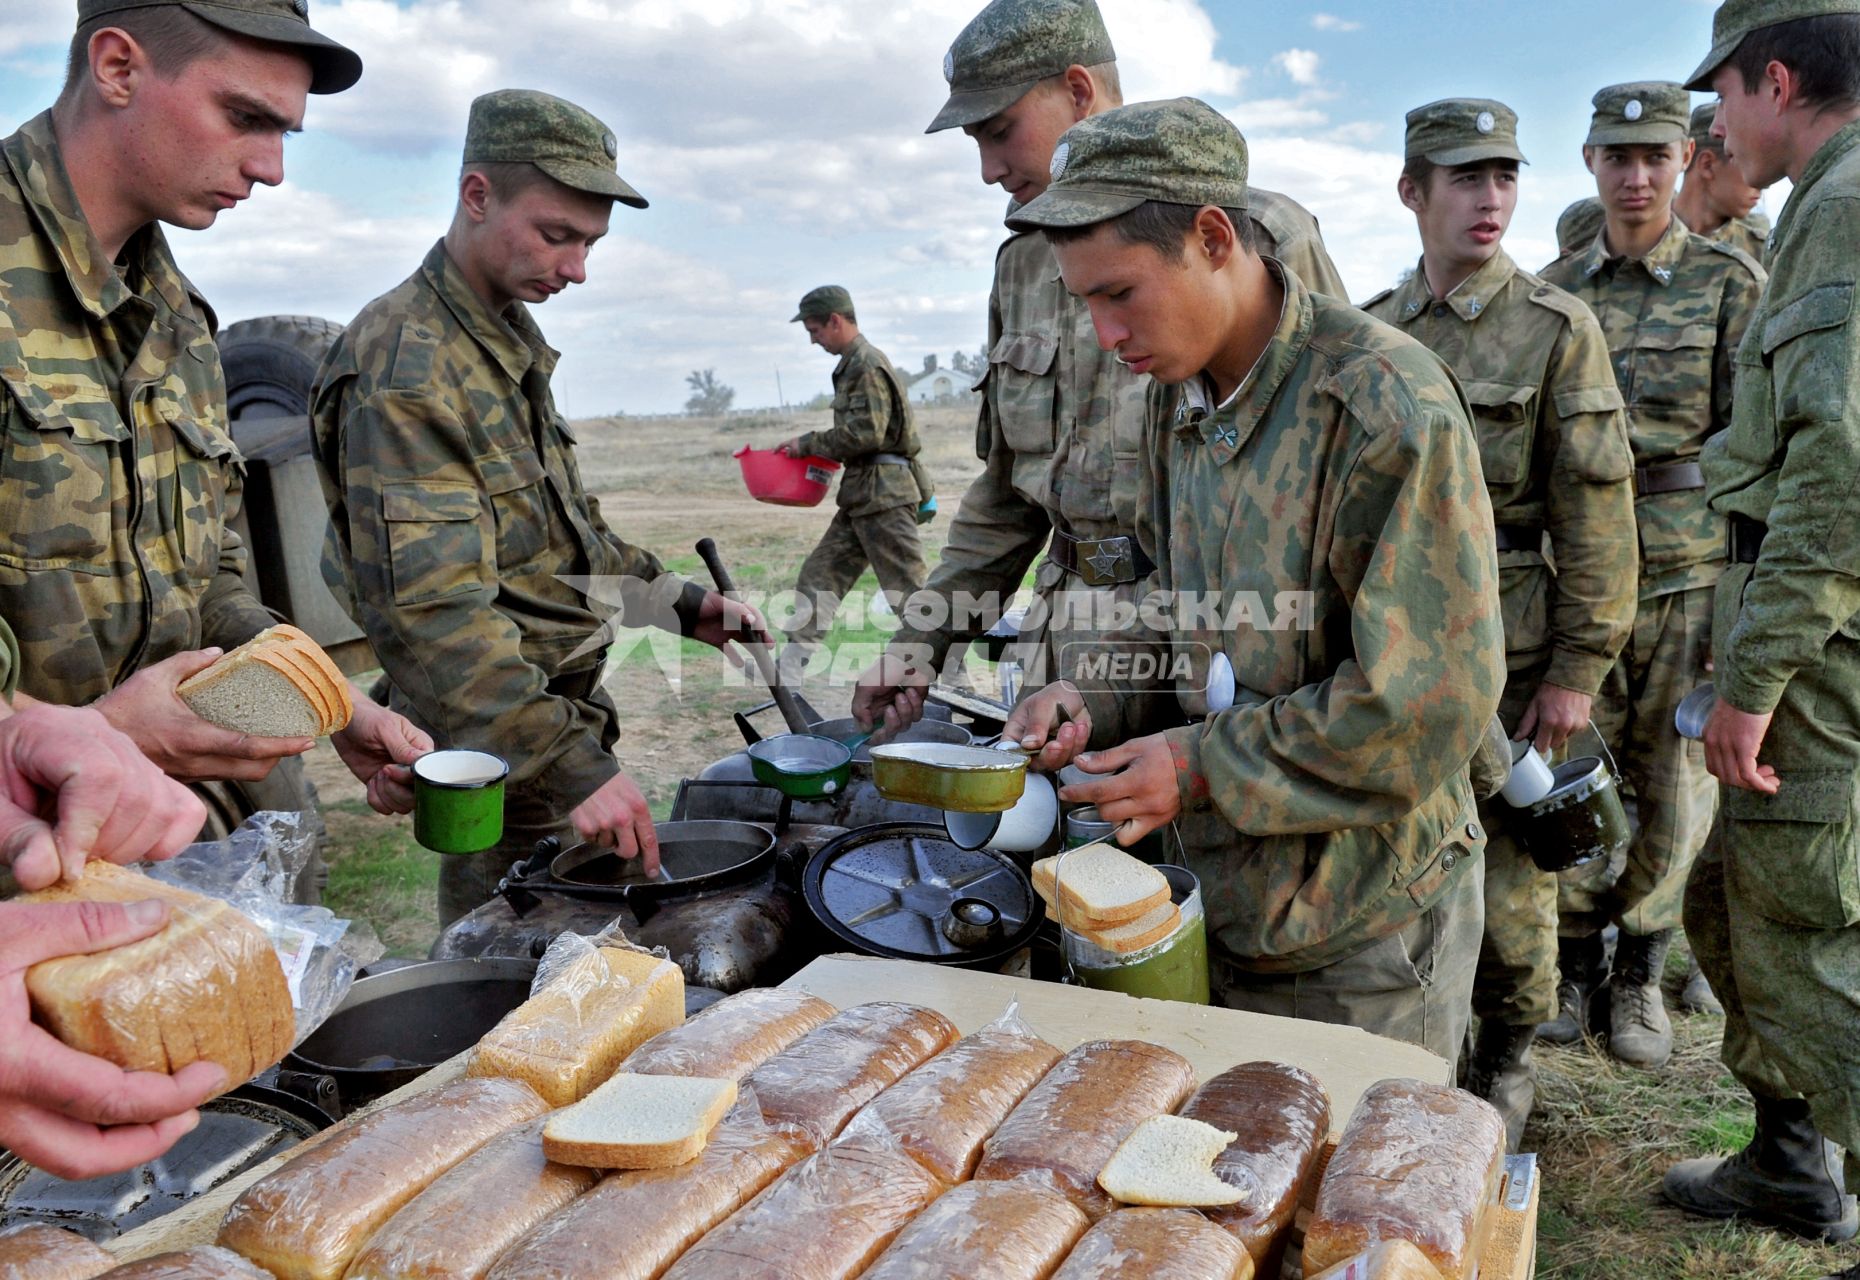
(271, 364)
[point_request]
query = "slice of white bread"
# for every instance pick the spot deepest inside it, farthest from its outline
(639, 1122)
(1101, 886)
(1144, 931)
(278, 684)
(1166, 1162)
(208, 986)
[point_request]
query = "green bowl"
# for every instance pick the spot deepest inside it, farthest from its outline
(803, 766)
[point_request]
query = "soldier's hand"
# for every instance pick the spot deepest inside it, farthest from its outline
(1052, 723)
(182, 745)
(617, 815)
(1141, 792)
(1732, 740)
(73, 788)
(791, 446)
(1554, 714)
(380, 746)
(722, 620)
(890, 696)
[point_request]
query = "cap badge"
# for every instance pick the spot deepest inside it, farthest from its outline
(610, 145)
(949, 66)
(1633, 109)
(301, 8)
(1485, 122)
(1061, 154)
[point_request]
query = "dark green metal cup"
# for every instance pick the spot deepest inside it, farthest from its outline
(458, 800)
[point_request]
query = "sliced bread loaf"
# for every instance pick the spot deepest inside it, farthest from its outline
(639, 1122)
(278, 684)
(1098, 886)
(1166, 1163)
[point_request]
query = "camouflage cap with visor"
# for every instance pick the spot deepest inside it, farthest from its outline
(827, 300)
(1736, 19)
(1178, 152)
(1647, 112)
(1462, 131)
(1700, 130)
(1011, 46)
(333, 67)
(522, 126)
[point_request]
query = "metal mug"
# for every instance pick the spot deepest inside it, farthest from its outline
(458, 800)
(1581, 819)
(1694, 710)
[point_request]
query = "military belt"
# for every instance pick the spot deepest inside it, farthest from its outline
(888, 460)
(1673, 477)
(1520, 537)
(1100, 562)
(1746, 537)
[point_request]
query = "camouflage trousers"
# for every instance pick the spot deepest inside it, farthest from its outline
(1641, 890)
(286, 789)
(886, 540)
(1516, 982)
(1773, 905)
(1414, 984)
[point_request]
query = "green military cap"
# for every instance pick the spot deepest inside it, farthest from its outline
(1700, 132)
(1647, 111)
(1463, 131)
(558, 137)
(827, 300)
(1736, 19)
(333, 67)
(1177, 152)
(1011, 46)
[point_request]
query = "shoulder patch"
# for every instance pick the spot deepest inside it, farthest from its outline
(1731, 251)
(408, 351)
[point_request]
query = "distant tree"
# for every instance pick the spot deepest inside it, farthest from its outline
(972, 365)
(709, 396)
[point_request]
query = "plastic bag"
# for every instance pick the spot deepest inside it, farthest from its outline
(732, 1037)
(201, 1262)
(943, 1111)
(253, 869)
(39, 1252)
(1153, 1244)
(984, 1231)
(1282, 1115)
(821, 1079)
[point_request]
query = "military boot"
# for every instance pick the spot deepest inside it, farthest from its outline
(1500, 1071)
(1788, 1177)
(1639, 1032)
(1698, 997)
(1579, 965)
(1846, 1273)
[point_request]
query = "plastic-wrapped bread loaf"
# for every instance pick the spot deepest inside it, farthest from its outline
(733, 1037)
(818, 1081)
(208, 986)
(203, 1262)
(984, 1231)
(942, 1112)
(1282, 1115)
(457, 1228)
(824, 1219)
(1390, 1260)
(657, 1213)
(308, 1219)
(1417, 1162)
(1063, 1131)
(1156, 1244)
(565, 1040)
(38, 1252)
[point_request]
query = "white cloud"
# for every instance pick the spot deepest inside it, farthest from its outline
(1331, 22)
(28, 23)
(1300, 64)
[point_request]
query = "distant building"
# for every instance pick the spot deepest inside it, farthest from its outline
(932, 385)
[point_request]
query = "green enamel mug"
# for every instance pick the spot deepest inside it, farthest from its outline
(458, 800)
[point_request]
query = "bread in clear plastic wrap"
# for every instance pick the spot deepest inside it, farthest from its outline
(820, 1080)
(1156, 1244)
(573, 1034)
(1417, 1162)
(309, 1218)
(1390, 1260)
(1282, 1115)
(1065, 1129)
(944, 1110)
(202, 1262)
(207, 987)
(459, 1226)
(825, 1219)
(657, 1213)
(984, 1231)
(732, 1037)
(40, 1252)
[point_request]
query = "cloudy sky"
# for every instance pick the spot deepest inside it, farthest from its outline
(781, 144)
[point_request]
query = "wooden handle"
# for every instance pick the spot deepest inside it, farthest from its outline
(758, 650)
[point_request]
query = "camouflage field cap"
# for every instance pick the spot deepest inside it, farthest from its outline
(1178, 152)
(1646, 111)
(827, 300)
(558, 137)
(1736, 19)
(333, 67)
(1011, 46)
(1700, 130)
(1463, 131)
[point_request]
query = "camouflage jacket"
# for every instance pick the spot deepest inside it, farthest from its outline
(1554, 449)
(1751, 234)
(456, 509)
(1789, 458)
(118, 477)
(871, 415)
(9, 660)
(1327, 531)
(1582, 222)
(1288, 232)
(1674, 320)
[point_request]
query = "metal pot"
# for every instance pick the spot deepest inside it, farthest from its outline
(1582, 818)
(949, 777)
(694, 857)
(802, 766)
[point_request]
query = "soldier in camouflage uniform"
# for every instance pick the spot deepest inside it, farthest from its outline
(118, 477)
(1675, 306)
(875, 435)
(457, 510)
(1060, 419)
(1311, 493)
(1773, 905)
(1554, 452)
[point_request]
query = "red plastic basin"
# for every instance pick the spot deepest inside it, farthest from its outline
(772, 476)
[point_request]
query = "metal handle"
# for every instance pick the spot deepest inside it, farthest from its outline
(758, 649)
(1607, 755)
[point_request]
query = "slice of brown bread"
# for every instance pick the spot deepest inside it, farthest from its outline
(278, 684)
(320, 662)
